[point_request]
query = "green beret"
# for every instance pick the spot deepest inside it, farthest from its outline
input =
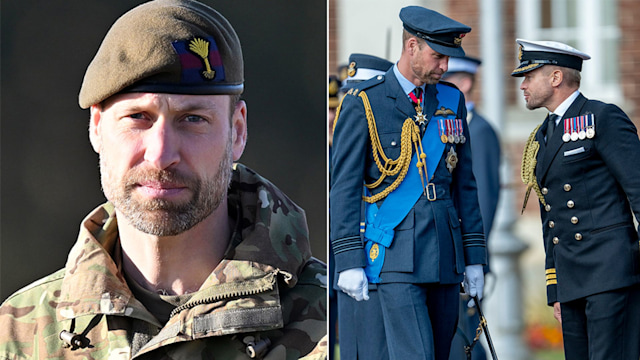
(166, 46)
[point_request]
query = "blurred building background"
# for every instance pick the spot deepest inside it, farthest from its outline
(49, 172)
(607, 30)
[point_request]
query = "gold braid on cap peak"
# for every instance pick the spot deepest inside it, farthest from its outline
(528, 168)
(410, 134)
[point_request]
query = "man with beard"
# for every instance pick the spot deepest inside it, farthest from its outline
(401, 145)
(583, 162)
(193, 256)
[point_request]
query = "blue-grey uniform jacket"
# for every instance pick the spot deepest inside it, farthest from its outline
(486, 166)
(590, 187)
(437, 238)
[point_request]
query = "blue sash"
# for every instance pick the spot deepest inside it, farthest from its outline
(380, 222)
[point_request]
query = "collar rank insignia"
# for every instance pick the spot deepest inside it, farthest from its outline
(201, 48)
(444, 112)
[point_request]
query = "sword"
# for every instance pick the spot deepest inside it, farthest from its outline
(483, 327)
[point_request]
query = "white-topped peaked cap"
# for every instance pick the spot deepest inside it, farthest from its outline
(534, 54)
(466, 64)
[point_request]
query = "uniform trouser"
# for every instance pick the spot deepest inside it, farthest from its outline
(333, 318)
(603, 326)
(419, 319)
(361, 333)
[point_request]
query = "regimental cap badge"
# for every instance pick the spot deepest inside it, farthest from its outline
(458, 40)
(200, 47)
(200, 60)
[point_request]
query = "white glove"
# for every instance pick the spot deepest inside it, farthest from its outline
(473, 282)
(354, 283)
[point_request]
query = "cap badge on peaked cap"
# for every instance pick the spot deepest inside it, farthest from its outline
(458, 40)
(352, 69)
(520, 52)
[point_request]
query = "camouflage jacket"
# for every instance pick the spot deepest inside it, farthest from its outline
(265, 300)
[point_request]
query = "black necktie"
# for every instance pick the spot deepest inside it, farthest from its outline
(551, 126)
(418, 93)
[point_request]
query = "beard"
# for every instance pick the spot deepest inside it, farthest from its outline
(162, 217)
(539, 99)
(427, 76)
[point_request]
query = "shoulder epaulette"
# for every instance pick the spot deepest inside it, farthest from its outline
(367, 84)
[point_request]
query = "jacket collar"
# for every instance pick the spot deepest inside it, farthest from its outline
(402, 102)
(271, 238)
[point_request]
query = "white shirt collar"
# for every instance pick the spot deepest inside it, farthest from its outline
(562, 108)
(406, 85)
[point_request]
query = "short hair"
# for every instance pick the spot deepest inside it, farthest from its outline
(407, 35)
(571, 76)
(233, 101)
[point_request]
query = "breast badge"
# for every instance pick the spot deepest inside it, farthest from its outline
(374, 252)
(452, 159)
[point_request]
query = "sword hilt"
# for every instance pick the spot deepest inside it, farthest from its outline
(483, 324)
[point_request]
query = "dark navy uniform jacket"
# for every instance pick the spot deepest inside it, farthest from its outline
(437, 238)
(590, 187)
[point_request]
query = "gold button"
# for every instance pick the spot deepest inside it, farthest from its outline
(570, 204)
(551, 224)
(556, 240)
(567, 187)
(578, 236)
(544, 191)
(574, 220)
(547, 207)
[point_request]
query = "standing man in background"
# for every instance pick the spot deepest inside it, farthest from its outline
(485, 147)
(193, 256)
(401, 145)
(583, 162)
(485, 152)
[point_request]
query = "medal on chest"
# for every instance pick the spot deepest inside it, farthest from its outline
(421, 119)
(579, 128)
